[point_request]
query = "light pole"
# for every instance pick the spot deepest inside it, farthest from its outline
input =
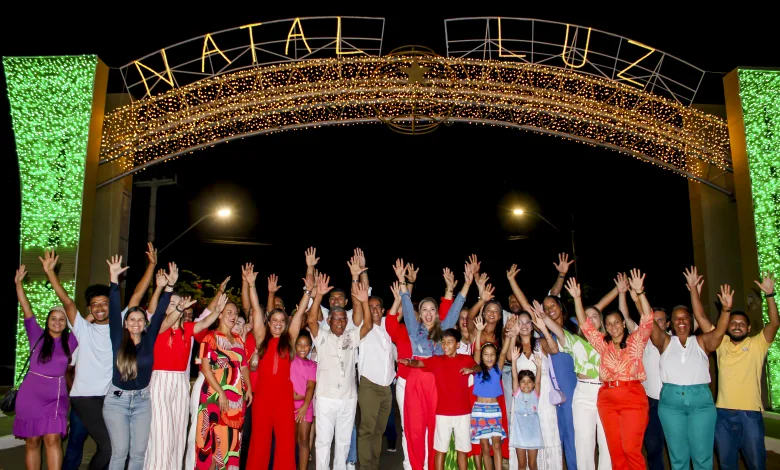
(520, 212)
(222, 213)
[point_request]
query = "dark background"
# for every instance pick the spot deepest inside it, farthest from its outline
(431, 199)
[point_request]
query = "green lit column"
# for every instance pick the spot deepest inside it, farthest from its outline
(753, 108)
(52, 108)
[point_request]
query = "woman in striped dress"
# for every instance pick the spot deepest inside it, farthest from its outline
(170, 384)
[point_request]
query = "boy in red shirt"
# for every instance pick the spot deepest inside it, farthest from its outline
(453, 410)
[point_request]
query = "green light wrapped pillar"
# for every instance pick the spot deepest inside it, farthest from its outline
(51, 102)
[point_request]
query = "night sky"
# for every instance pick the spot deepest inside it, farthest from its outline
(431, 199)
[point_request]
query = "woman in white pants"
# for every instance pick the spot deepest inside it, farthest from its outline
(588, 429)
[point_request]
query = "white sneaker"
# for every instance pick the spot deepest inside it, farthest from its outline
(350, 466)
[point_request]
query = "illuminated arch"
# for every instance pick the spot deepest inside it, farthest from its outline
(327, 92)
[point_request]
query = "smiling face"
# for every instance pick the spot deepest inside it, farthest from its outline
(681, 322)
(228, 317)
(738, 327)
(56, 323)
(463, 320)
(337, 299)
(527, 384)
(514, 305)
(489, 356)
(428, 314)
(659, 316)
(135, 322)
(450, 346)
(525, 324)
(595, 317)
(98, 307)
(337, 320)
(377, 312)
(303, 346)
(553, 310)
(238, 328)
(277, 324)
(492, 313)
(615, 326)
(174, 302)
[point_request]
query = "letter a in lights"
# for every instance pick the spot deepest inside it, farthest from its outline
(566, 44)
(168, 80)
(207, 52)
(293, 34)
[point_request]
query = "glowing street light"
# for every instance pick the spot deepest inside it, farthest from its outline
(518, 212)
(223, 213)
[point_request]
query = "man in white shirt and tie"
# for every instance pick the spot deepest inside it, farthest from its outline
(376, 369)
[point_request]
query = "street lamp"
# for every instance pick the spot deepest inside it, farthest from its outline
(520, 212)
(222, 214)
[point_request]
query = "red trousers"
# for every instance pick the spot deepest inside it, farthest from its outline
(420, 416)
(624, 414)
(273, 412)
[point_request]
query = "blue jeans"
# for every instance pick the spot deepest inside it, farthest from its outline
(739, 430)
(128, 416)
(77, 436)
(654, 438)
(352, 456)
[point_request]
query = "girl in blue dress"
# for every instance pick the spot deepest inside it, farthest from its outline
(526, 432)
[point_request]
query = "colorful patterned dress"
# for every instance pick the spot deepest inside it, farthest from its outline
(219, 434)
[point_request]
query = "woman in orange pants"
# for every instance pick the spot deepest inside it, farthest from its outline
(273, 413)
(425, 336)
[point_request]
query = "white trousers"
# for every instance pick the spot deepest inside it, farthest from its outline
(189, 456)
(588, 428)
(335, 419)
(400, 391)
(169, 396)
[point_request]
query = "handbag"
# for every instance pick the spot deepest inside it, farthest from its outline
(557, 397)
(8, 405)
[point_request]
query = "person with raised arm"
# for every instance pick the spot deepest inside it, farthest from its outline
(336, 394)
(127, 408)
(425, 336)
(526, 435)
(740, 424)
(274, 411)
(622, 402)
(225, 394)
(686, 408)
(94, 365)
(42, 399)
(562, 363)
(170, 384)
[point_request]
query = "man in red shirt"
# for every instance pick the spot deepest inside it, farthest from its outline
(453, 409)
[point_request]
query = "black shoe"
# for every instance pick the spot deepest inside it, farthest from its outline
(391, 446)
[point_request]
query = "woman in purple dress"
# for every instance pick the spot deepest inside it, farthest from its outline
(42, 400)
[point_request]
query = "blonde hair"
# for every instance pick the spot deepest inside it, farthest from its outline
(435, 333)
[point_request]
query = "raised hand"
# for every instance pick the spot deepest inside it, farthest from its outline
(115, 267)
(726, 297)
(151, 253)
(187, 302)
(767, 285)
(223, 284)
(360, 257)
(449, 279)
(360, 292)
(573, 288)
(512, 273)
(308, 283)
(637, 281)
(468, 274)
(538, 316)
(20, 273)
(49, 261)
(311, 257)
(221, 303)
(538, 363)
(173, 274)
(562, 266)
(323, 284)
(395, 288)
(515, 353)
(479, 323)
(475, 265)
(692, 278)
(273, 283)
(160, 280)
(411, 273)
(354, 267)
(248, 273)
(400, 269)
(487, 293)
(481, 280)
(621, 283)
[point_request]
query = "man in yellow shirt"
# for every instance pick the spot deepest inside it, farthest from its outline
(740, 425)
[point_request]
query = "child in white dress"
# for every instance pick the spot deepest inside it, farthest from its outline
(526, 433)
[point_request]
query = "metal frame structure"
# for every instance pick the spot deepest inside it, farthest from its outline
(350, 90)
(574, 47)
(249, 46)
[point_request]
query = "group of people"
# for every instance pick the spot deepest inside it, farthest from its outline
(475, 385)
